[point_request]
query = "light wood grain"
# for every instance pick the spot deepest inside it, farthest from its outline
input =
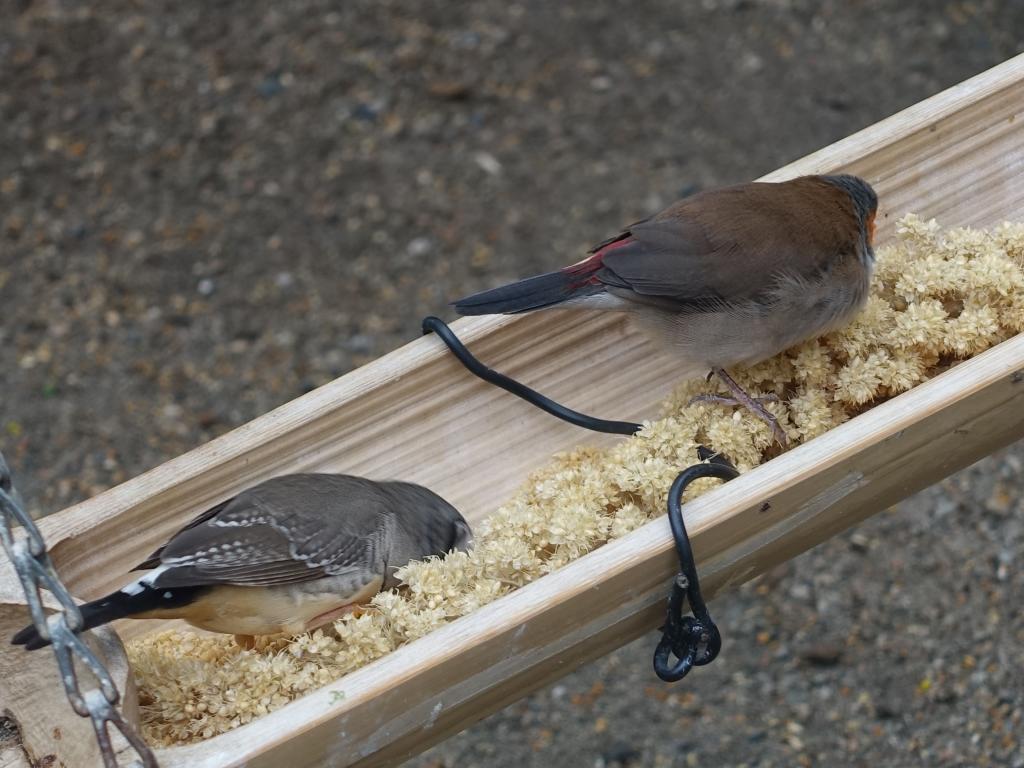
(415, 414)
(13, 757)
(433, 687)
(32, 695)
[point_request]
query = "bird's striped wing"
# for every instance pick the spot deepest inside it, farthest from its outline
(154, 559)
(285, 531)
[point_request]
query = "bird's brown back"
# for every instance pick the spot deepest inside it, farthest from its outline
(725, 244)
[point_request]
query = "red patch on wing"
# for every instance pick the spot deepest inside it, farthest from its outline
(612, 246)
(588, 266)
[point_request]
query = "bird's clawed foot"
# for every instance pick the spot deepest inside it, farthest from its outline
(355, 610)
(723, 400)
(753, 404)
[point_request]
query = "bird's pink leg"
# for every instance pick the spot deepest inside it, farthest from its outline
(752, 404)
(356, 609)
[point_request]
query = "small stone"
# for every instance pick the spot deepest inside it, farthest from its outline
(172, 411)
(487, 163)
(419, 246)
(823, 655)
(621, 753)
(365, 112)
(450, 90)
(859, 542)
(207, 419)
(270, 86)
(885, 710)
(360, 343)
(1001, 501)
(750, 63)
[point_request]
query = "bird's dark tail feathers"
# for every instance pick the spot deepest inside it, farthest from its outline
(117, 605)
(526, 295)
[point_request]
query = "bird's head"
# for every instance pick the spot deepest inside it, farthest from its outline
(428, 524)
(451, 527)
(864, 199)
(865, 207)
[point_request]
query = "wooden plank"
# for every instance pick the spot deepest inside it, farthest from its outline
(957, 156)
(32, 695)
(909, 140)
(434, 687)
(13, 757)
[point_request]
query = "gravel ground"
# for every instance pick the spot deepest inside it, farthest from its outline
(206, 210)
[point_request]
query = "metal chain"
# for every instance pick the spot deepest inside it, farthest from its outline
(32, 564)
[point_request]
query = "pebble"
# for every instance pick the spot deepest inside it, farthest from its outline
(487, 162)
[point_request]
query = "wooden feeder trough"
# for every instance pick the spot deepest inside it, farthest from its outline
(416, 414)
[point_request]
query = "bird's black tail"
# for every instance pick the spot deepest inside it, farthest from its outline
(526, 295)
(117, 605)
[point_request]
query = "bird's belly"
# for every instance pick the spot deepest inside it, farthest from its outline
(719, 340)
(747, 334)
(287, 608)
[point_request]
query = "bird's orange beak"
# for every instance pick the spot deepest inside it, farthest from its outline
(871, 228)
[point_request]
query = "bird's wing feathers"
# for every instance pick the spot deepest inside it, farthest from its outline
(623, 235)
(698, 252)
(154, 559)
(281, 532)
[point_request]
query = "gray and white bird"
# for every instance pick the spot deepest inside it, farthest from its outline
(726, 277)
(285, 556)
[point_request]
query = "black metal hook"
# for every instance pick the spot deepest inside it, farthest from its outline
(693, 640)
(438, 326)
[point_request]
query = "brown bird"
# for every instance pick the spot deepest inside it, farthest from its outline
(726, 277)
(288, 555)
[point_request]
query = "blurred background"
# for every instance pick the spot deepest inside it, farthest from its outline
(208, 209)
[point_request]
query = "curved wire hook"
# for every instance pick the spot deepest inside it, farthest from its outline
(436, 325)
(693, 640)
